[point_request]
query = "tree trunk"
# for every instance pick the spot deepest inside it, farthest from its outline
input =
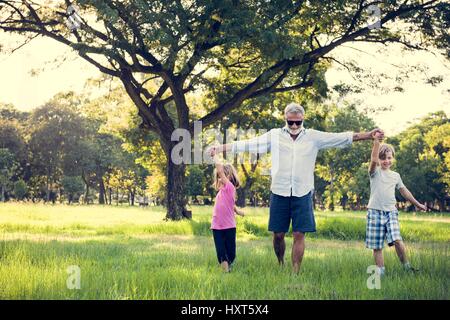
(101, 195)
(3, 193)
(441, 205)
(110, 196)
(331, 191)
(243, 192)
(249, 180)
(47, 194)
(252, 199)
(241, 196)
(331, 206)
(344, 202)
(86, 196)
(176, 197)
(319, 201)
(132, 194)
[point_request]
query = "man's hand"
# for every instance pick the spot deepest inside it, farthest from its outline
(377, 133)
(361, 136)
(212, 151)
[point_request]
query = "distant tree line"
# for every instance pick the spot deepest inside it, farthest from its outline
(68, 151)
(55, 153)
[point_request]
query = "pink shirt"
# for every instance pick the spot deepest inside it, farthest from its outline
(223, 216)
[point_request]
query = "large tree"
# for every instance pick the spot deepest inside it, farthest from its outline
(56, 132)
(271, 46)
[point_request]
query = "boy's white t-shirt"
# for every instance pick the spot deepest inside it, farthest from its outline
(382, 189)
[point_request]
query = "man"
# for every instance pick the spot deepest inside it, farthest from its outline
(294, 150)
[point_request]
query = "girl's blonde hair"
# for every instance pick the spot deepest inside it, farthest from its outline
(385, 148)
(230, 173)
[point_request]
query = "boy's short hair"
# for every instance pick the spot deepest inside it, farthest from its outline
(384, 148)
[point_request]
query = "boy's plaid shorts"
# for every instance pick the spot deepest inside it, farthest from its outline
(381, 225)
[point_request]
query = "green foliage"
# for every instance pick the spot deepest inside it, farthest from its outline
(69, 136)
(73, 187)
(8, 165)
(195, 181)
(230, 51)
(9, 113)
(422, 154)
(12, 138)
(339, 167)
(56, 130)
(20, 189)
(116, 159)
(438, 142)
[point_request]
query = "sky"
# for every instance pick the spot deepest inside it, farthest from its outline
(417, 99)
(19, 87)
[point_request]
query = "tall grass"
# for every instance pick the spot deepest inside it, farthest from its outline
(112, 220)
(131, 253)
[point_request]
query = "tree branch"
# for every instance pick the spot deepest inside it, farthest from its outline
(270, 88)
(357, 15)
(281, 22)
(313, 55)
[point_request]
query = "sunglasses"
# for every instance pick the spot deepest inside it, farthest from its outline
(291, 123)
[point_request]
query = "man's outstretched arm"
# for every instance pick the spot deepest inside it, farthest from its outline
(326, 140)
(222, 148)
(259, 144)
(360, 136)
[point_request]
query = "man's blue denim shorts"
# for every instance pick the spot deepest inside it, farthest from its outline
(298, 209)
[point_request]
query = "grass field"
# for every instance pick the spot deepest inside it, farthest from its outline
(131, 253)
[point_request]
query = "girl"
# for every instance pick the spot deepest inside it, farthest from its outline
(223, 223)
(382, 215)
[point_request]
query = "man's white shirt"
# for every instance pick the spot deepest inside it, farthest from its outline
(293, 162)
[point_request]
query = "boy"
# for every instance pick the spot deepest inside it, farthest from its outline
(382, 216)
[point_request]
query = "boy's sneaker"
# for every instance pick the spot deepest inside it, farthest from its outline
(381, 271)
